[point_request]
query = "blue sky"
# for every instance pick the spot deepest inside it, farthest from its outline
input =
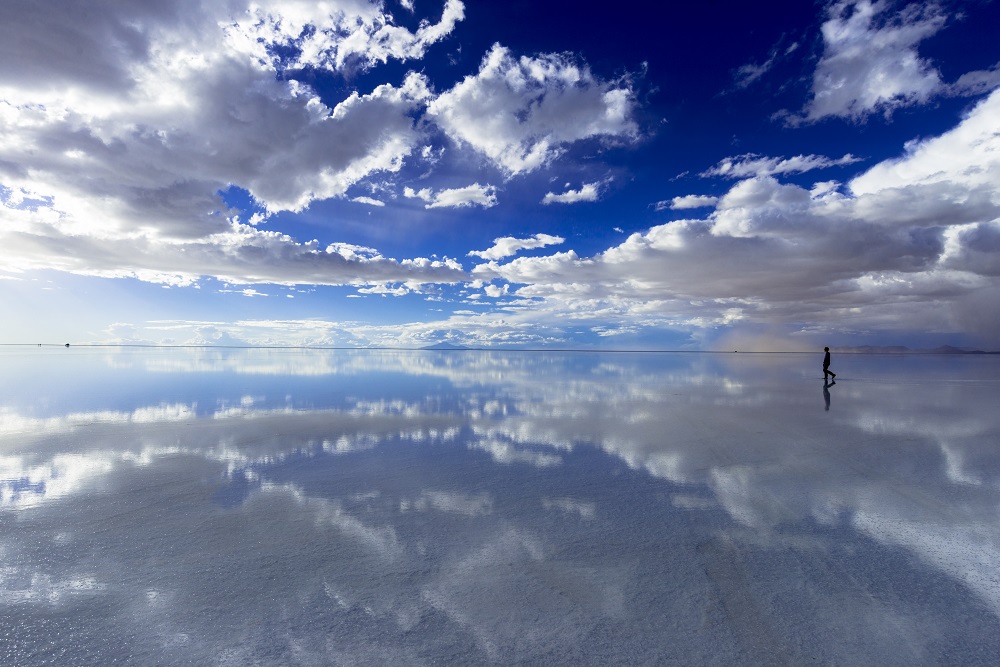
(717, 175)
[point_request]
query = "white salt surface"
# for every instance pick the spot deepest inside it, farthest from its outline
(233, 507)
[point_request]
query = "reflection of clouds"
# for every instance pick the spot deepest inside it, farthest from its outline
(585, 510)
(383, 407)
(382, 541)
(242, 438)
(508, 452)
(489, 589)
(769, 463)
(12, 423)
(968, 552)
(689, 502)
(644, 489)
(584, 372)
(956, 467)
(23, 484)
(734, 488)
(450, 501)
(344, 444)
(523, 432)
(19, 586)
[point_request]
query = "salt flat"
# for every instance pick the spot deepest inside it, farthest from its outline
(208, 506)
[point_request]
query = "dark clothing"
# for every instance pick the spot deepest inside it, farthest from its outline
(826, 361)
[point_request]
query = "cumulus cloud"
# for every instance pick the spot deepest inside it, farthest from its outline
(183, 116)
(909, 242)
(240, 255)
(495, 291)
(348, 31)
(687, 202)
(424, 193)
(522, 112)
(751, 164)
(508, 246)
(121, 124)
(370, 201)
(966, 157)
(471, 195)
(589, 192)
(870, 61)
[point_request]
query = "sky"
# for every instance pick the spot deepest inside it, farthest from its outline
(652, 175)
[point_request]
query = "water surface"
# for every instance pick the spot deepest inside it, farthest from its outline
(211, 506)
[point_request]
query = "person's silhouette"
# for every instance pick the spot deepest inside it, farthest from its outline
(826, 393)
(826, 364)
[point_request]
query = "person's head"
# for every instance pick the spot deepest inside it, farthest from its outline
(826, 349)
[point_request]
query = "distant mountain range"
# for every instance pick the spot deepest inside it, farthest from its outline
(902, 349)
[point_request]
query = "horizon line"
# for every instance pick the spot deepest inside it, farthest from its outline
(884, 349)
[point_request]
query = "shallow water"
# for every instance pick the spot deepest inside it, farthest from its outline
(212, 506)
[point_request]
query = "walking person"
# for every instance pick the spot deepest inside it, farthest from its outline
(826, 364)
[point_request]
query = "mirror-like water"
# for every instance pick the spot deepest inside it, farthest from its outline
(379, 507)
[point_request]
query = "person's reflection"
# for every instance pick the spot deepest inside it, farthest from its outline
(826, 392)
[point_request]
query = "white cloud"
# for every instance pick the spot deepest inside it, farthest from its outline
(966, 156)
(425, 193)
(368, 200)
(913, 243)
(385, 290)
(522, 112)
(687, 202)
(241, 255)
(508, 246)
(976, 83)
(122, 123)
(470, 195)
(495, 291)
(326, 36)
(354, 252)
(185, 118)
(750, 164)
(870, 62)
(589, 192)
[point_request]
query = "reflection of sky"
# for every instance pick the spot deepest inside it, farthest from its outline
(385, 507)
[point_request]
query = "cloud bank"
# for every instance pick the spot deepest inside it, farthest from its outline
(914, 243)
(120, 125)
(125, 129)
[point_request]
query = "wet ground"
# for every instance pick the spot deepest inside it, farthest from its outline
(178, 506)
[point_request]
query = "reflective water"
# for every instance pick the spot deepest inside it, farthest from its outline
(374, 507)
